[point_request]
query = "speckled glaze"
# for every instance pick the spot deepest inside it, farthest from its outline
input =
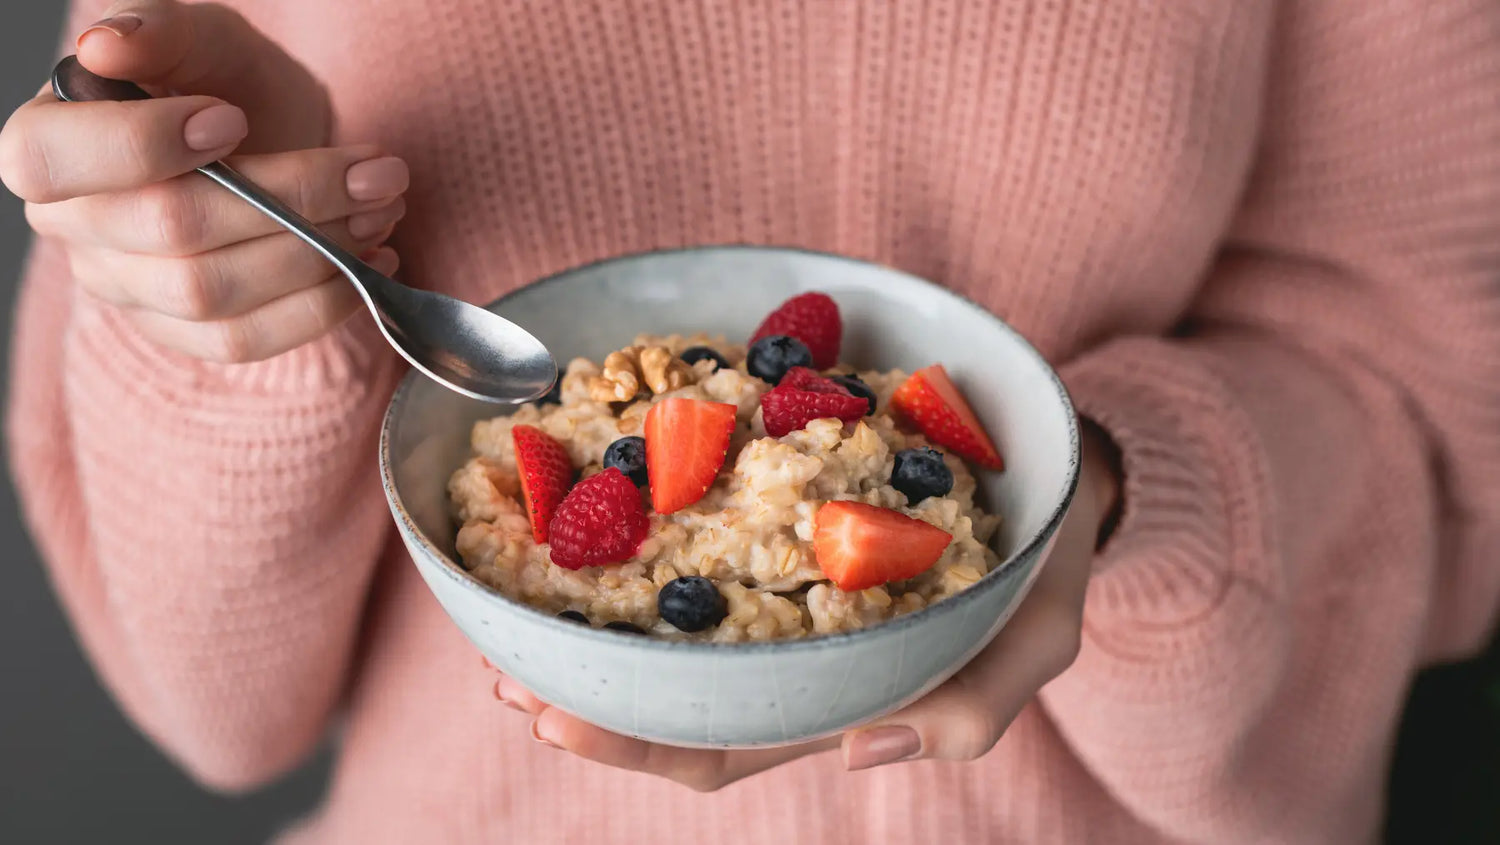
(753, 694)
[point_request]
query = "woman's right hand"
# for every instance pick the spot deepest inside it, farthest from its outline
(195, 268)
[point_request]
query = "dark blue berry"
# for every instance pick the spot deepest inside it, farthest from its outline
(625, 627)
(628, 455)
(553, 396)
(773, 355)
(694, 354)
(573, 616)
(920, 473)
(854, 384)
(691, 603)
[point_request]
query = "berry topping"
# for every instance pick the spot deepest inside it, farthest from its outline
(812, 318)
(546, 474)
(770, 357)
(859, 546)
(694, 354)
(691, 603)
(920, 473)
(855, 385)
(600, 521)
(573, 616)
(686, 441)
(628, 455)
(804, 396)
(931, 402)
(625, 627)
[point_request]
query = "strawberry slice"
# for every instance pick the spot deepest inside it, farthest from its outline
(931, 402)
(546, 474)
(812, 318)
(804, 396)
(859, 546)
(686, 441)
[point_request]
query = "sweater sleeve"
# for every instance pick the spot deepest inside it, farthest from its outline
(1312, 495)
(211, 530)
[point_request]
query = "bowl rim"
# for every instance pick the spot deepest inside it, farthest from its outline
(962, 600)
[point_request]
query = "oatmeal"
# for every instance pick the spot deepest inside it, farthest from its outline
(668, 490)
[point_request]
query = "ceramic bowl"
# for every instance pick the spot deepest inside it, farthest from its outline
(754, 694)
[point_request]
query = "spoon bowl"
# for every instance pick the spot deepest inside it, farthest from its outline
(461, 346)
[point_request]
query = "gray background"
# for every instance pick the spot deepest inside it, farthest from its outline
(73, 771)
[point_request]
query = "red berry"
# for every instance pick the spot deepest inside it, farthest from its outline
(600, 521)
(804, 396)
(546, 474)
(686, 443)
(931, 402)
(812, 318)
(859, 546)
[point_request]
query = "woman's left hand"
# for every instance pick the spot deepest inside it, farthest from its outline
(960, 720)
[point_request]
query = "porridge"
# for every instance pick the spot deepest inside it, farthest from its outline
(694, 488)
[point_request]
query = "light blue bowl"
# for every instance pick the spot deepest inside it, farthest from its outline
(753, 694)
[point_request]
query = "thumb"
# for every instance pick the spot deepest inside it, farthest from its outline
(205, 48)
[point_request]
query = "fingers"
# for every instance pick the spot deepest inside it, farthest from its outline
(274, 328)
(52, 151)
(510, 692)
(226, 282)
(697, 769)
(191, 214)
(206, 48)
(965, 717)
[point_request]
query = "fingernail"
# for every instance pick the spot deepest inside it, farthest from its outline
(121, 25)
(878, 746)
(371, 223)
(543, 740)
(377, 179)
(500, 697)
(215, 127)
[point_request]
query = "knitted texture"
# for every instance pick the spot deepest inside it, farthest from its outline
(1261, 240)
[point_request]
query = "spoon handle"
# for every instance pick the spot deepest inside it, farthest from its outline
(283, 214)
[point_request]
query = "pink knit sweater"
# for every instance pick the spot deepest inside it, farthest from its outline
(1261, 239)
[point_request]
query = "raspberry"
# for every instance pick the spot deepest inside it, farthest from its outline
(600, 521)
(804, 396)
(812, 318)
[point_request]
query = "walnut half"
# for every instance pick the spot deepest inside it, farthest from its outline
(662, 370)
(634, 368)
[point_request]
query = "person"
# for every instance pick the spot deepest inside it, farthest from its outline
(1261, 242)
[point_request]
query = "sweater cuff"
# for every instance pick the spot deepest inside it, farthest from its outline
(1195, 495)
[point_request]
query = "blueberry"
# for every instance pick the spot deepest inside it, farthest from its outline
(626, 627)
(628, 455)
(855, 385)
(773, 355)
(573, 616)
(694, 354)
(920, 473)
(553, 396)
(691, 603)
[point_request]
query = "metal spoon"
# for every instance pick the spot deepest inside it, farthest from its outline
(461, 346)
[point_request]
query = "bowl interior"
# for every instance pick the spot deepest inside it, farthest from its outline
(891, 320)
